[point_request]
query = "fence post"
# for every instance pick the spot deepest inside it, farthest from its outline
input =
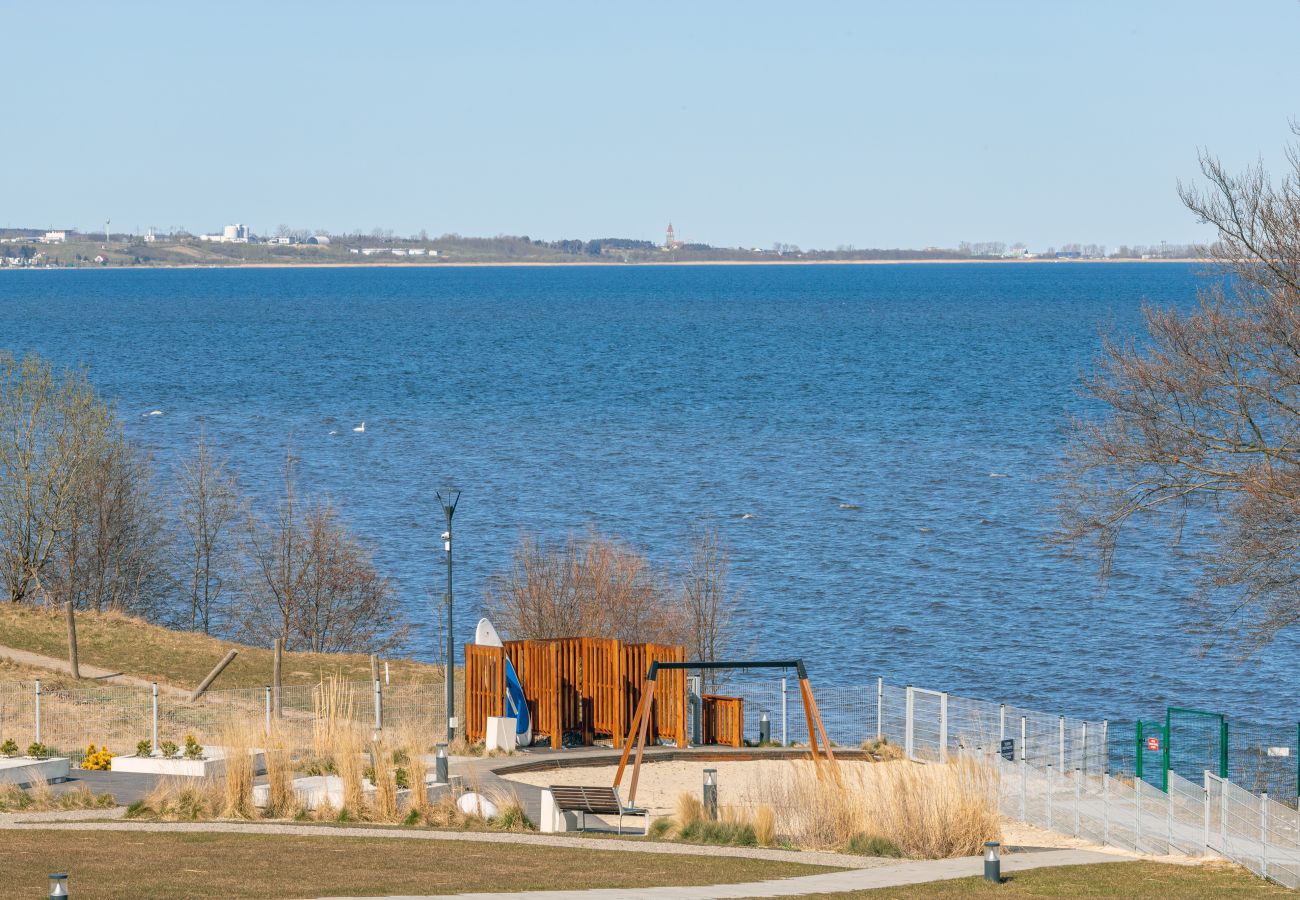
(1083, 752)
(1051, 786)
(785, 742)
(1105, 808)
(1060, 742)
(1169, 820)
(880, 708)
(1078, 791)
(907, 727)
(1137, 760)
(1223, 748)
(1137, 837)
(38, 710)
(277, 679)
(1263, 834)
(1205, 833)
(379, 707)
(154, 732)
(1024, 775)
(1105, 745)
(1024, 738)
(1002, 724)
(1223, 818)
(943, 727)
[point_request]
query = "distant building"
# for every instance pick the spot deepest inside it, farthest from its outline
(398, 251)
(371, 251)
(417, 251)
(670, 239)
(55, 237)
(318, 239)
(149, 236)
(231, 234)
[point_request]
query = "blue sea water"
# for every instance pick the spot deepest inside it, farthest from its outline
(841, 425)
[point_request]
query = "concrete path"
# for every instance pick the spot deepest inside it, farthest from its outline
(895, 875)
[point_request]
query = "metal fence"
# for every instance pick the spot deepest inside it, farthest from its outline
(67, 721)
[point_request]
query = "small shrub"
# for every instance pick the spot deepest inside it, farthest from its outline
(690, 810)
(863, 844)
(9, 748)
(100, 760)
(144, 748)
(510, 813)
(880, 750)
(168, 749)
(37, 750)
(193, 749)
(660, 827)
(720, 833)
(412, 818)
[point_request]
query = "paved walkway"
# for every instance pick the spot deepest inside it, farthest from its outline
(895, 875)
(88, 672)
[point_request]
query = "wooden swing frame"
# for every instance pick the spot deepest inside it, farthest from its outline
(641, 719)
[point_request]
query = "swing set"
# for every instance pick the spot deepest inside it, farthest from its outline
(641, 719)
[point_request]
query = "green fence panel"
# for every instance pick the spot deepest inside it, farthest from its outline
(1196, 742)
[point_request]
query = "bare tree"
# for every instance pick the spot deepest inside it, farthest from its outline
(593, 586)
(313, 584)
(209, 509)
(54, 429)
(110, 555)
(710, 605)
(1203, 417)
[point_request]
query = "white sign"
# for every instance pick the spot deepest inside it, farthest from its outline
(1279, 751)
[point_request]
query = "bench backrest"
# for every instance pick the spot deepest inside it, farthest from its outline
(576, 798)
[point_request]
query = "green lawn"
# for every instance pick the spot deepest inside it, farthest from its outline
(115, 864)
(1139, 880)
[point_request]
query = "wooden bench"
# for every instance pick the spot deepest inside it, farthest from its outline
(599, 801)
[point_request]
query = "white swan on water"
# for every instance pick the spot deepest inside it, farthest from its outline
(360, 429)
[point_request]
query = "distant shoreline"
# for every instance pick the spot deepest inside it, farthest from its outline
(592, 264)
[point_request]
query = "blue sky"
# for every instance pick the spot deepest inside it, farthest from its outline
(819, 124)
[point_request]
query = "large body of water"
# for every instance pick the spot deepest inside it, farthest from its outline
(855, 414)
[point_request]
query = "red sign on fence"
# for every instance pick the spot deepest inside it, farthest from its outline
(1153, 743)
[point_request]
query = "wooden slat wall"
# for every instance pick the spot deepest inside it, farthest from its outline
(724, 720)
(586, 685)
(600, 689)
(485, 688)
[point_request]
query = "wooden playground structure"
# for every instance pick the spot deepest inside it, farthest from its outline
(640, 725)
(584, 687)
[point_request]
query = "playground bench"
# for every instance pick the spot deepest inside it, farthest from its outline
(600, 801)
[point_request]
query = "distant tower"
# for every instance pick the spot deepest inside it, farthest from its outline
(670, 240)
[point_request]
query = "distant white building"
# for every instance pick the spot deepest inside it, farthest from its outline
(231, 234)
(417, 251)
(55, 237)
(398, 251)
(149, 236)
(371, 251)
(319, 239)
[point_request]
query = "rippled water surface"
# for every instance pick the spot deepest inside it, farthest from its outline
(856, 414)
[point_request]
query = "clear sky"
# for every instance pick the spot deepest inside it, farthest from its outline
(819, 124)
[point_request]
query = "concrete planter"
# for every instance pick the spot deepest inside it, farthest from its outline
(314, 791)
(213, 763)
(23, 770)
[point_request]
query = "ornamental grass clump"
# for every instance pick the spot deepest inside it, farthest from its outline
(237, 783)
(902, 808)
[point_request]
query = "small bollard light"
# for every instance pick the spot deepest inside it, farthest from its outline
(58, 886)
(992, 862)
(440, 764)
(711, 793)
(764, 729)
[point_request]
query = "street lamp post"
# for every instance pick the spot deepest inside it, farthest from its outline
(449, 497)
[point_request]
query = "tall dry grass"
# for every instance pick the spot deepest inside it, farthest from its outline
(281, 800)
(927, 811)
(238, 740)
(384, 805)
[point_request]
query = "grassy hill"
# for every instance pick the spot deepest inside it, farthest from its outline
(179, 658)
